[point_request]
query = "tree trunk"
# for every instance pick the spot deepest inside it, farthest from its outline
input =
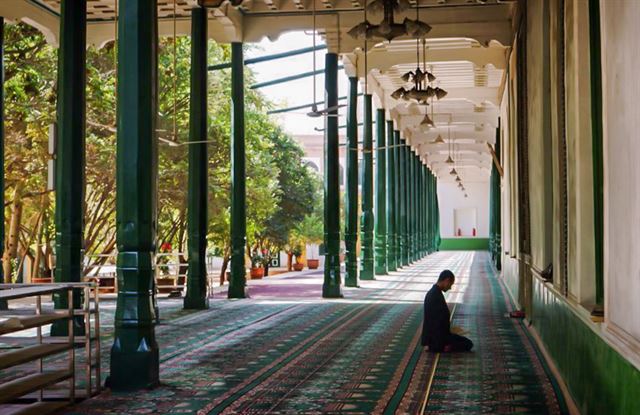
(225, 263)
(289, 261)
(11, 248)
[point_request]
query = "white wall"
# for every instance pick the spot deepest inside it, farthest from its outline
(621, 117)
(451, 198)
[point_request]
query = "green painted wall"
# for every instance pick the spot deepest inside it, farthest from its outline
(464, 244)
(601, 381)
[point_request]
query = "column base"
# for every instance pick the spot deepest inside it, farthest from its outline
(351, 273)
(367, 273)
(135, 361)
(195, 303)
(331, 286)
(236, 292)
(332, 291)
(381, 270)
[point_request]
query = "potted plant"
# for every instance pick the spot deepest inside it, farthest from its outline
(297, 253)
(312, 229)
(257, 269)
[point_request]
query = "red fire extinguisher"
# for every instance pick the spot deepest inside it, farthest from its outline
(459, 232)
(474, 231)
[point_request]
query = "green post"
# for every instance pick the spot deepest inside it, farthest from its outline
(3, 304)
(402, 169)
(597, 147)
(411, 195)
(238, 280)
(418, 170)
(135, 354)
(398, 193)
(424, 210)
(431, 215)
(331, 286)
(391, 199)
(418, 214)
(367, 255)
(498, 207)
(407, 195)
(351, 194)
(196, 297)
(70, 155)
(381, 195)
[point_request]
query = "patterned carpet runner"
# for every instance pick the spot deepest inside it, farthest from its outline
(360, 355)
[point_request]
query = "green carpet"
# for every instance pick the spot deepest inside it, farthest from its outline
(360, 355)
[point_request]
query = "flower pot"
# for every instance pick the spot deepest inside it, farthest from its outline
(298, 266)
(45, 280)
(313, 263)
(257, 273)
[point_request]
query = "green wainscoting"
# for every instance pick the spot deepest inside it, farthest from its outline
(600, 380)
(464, 244)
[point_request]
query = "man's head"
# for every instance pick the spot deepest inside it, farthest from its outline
(446, 280)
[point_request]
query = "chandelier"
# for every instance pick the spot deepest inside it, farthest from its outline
(422, 80)
(388, 28)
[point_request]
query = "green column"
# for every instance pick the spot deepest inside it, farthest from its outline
(402, 177)
(3, 304)
(331, 286)
(398, 196)
(434, 224)
(597, 148)
(70, 154)
(424, 212)
(411, 194)
(351, 194)
(494, 206)
(408, 198)
(196, 297)
(407, 195)
(418, 167)
(134, 354)
(367, 254)
(391, 199)
(419, 210)
(381, 195)
(238, 280)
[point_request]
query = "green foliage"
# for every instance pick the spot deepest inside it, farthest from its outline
(280, 191)
(300, 188)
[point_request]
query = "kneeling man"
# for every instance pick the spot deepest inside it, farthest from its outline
(436, 332)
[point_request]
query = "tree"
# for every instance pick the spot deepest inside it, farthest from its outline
(299, 195)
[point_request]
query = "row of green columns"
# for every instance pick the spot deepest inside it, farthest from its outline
(391, 203)
(351, 193)
(331, 286)
(70, 154)
(135, 354)
(238, 280)
(367, 192)
(381, 214)
(196, 296)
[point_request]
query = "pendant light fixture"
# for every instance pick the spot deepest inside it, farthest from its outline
(388, 29)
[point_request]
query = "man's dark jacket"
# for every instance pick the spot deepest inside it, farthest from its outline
(435, 327)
